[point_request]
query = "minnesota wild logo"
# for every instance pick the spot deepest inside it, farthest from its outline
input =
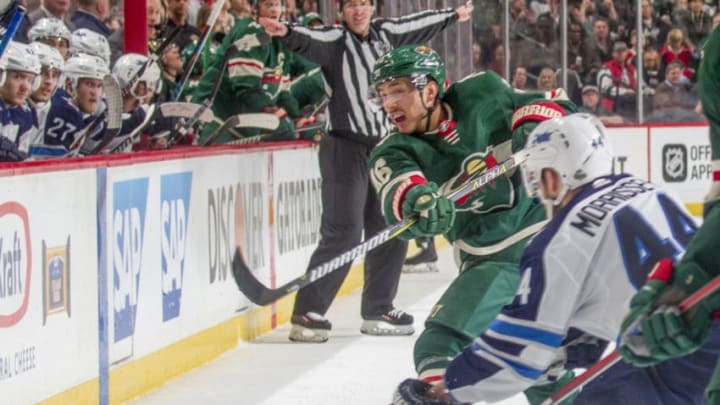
(479, 201)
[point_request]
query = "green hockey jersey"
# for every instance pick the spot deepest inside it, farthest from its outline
(481, 111)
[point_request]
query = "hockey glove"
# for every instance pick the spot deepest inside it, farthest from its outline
(9, 152)
(415, 392)
(436, 213)
(664, 332)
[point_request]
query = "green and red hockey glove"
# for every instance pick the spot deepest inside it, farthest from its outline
(436, 213)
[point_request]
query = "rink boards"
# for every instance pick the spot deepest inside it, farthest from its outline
(115, 273)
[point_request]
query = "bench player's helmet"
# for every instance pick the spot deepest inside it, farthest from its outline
(22, 58)
(574, 146)
(128, 66)
(418, 62)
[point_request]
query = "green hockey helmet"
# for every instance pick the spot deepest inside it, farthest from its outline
(418, 62)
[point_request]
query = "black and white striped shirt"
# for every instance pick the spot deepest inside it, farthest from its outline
(347, 60)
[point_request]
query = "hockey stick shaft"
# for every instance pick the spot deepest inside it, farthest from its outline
(149, 115)
(152, 57)
(12, 28)
(205, 35)
(249, 120)
(262, 295)
(262, 137)
(611, 359)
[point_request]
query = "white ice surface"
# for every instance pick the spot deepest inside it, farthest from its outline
(350, 369)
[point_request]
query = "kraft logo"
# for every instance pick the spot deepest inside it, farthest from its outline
(674, 163)
(174, 211)
(128, 229)
(15, 263)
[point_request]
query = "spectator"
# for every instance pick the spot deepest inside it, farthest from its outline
(155, 15)
(677, 48)
(519, 79)
(354, 130)
(177, 16)
(715, 21)
(580, 51)
(240, 8)
(591, 104)
(675, 91)
(171, 64)
(651, 66)
(91, 14)
(617, 79)
(680, 14)
(539, 7)
(654, 29)
(521, 19)
(546, 80)
(497, 61)
(602, 42)
(58, 9)
(545, 45)
(699, 24)
(314, 20)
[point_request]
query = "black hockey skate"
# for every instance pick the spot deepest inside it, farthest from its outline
(393, 323)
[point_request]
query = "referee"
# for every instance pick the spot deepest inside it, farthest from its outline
(346, 54)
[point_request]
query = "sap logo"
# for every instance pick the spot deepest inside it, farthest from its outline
(15, 263)
(128, 228)
(174, 211)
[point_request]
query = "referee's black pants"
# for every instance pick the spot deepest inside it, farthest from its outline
(350, 204)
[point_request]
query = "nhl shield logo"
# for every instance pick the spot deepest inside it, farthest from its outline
(674, 163)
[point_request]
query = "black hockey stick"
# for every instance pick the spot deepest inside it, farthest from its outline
(152, 58)
(262, 137)
(608, 361)
(204, 36)
(242, 44)
(258, 293)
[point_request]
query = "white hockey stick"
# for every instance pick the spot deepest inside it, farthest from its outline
(250, 120)
(179, 109)
(130, 138)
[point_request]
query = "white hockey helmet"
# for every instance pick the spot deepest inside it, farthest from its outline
(84, 66)
(49, 28)
(22, 58)
(575, 146)
(90, 42)
(127, 66)
(48, 55)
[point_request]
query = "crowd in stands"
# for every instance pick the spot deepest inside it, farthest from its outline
(601, 53)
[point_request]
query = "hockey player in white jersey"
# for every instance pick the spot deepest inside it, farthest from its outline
(51, 63)
(53, 32)
(20, 76)
(578, 275)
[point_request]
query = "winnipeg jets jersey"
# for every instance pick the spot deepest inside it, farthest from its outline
(64, 120)
(19, 124)
(578, 273)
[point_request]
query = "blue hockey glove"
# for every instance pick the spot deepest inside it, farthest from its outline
(415, 392)
(436, 213)
(9, 152)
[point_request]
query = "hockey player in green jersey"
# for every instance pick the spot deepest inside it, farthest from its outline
(257, 77)
(442, 137)
(665, 333)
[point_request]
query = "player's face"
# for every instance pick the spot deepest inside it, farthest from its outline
(270, 9)
(17, 87)
(88, 94)
(48, 84)
(401, 102)
(357, 15)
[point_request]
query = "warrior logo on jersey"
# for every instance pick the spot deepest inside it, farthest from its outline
(447, 131)
(674, 158)
(479, 201)
(174, 215)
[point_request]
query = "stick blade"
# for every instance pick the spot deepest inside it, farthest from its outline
(257, 120)
(250, 286)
